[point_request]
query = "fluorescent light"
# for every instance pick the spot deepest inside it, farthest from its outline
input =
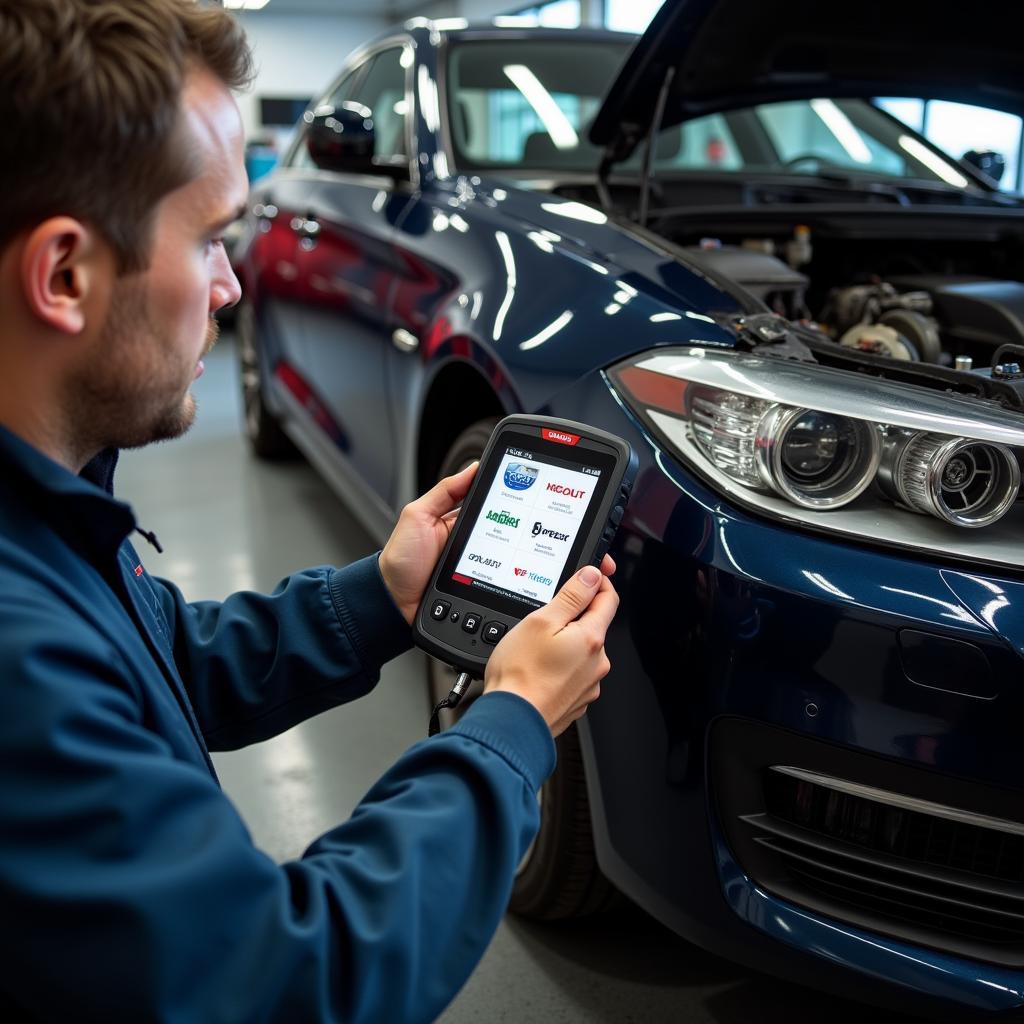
(245, 5)
(661, 318)
(842, 128)
(562, 133)
(933, 162)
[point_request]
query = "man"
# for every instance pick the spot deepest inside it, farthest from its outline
(129, 887)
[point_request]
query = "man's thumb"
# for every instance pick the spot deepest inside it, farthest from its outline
(578, 592)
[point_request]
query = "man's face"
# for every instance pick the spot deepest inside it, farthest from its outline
(134, 385)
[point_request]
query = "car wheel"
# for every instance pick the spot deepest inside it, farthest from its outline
(558, 877)
(266, 438)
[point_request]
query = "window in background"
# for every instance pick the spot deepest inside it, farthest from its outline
(958, 127)
(630, 15)
(909, 111)
(557, 14)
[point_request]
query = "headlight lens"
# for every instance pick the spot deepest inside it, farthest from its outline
(963, 482)
(836, 449)
(815, 459)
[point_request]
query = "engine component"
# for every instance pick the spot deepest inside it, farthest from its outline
(963, 482)
(920, 330)
(880, 340)
(768, 279)
(865, 303)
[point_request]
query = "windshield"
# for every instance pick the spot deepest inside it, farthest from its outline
(527, 105)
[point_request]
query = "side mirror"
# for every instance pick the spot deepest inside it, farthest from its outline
(341, 138)
(989, 162)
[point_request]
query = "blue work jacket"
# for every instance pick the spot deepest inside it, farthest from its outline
(130, 889)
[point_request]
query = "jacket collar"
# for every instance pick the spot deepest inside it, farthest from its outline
(81, 508)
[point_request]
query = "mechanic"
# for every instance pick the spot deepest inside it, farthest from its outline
(129, 886)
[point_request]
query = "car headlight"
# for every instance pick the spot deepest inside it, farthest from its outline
(837, 450)
(814, 459)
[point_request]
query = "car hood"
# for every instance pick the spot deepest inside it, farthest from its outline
(733, 53)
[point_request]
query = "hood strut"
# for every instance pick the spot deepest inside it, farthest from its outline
(652, 139)
(623, 145)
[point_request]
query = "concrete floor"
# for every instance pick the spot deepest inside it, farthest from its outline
(228, 522)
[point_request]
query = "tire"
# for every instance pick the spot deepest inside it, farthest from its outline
(262, 429)
(558, 877)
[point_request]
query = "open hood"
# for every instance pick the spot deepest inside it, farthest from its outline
(734, 53)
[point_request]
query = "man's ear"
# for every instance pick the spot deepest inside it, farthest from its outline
(64, 273)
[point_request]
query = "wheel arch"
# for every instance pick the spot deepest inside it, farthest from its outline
(459, 395)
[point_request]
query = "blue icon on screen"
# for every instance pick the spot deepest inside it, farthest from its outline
(519, 477)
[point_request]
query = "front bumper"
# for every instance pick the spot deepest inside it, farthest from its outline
(727, 616)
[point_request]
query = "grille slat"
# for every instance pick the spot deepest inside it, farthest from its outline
(988, 892)
(914, 898)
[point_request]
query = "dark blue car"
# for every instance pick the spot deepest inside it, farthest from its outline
(809, 324)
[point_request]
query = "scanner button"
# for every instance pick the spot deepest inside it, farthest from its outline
(439, 610)
(616, 515)
(454, 617)
(493, 632)
(471, 623)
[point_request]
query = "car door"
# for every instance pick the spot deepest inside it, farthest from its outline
(348, 231)
(280, 257)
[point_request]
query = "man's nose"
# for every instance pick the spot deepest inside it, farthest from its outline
(226, 290)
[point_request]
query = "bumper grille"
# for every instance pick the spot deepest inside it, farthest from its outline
(883, 859)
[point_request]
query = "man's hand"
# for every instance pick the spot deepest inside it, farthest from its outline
(555, 660)
(418, 539)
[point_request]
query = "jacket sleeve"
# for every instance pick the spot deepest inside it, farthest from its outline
(132, 890)
(254, 665)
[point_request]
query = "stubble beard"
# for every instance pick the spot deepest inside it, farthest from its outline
(133, 394)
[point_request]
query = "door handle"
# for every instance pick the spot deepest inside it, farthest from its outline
(404, 341)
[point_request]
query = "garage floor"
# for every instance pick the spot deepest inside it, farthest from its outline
(228, 522)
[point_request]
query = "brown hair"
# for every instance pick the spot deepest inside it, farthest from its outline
(90, 98)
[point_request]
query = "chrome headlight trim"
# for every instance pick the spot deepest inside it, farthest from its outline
(772, 433)
(839, 392)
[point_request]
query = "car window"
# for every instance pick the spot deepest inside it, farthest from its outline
(820, 131)
(528, 104)
(298, 155)
(805, 137)
(383, 91)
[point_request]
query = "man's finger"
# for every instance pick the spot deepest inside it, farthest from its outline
(578, 592)
(608, 565)
(447, 493)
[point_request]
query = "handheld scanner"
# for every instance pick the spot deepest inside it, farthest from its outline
(547, 499)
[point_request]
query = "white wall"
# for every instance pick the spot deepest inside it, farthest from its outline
(298, 55)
